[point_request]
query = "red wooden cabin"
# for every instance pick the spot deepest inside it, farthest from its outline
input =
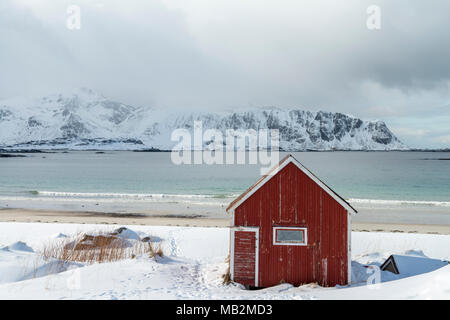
(290, 227)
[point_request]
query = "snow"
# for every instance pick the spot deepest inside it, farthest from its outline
(411, 265)
(194, 262)
(126, 234)
(18, 246)
(83, 119)
(18, 263)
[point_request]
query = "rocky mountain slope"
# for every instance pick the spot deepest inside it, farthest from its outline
(87, 120)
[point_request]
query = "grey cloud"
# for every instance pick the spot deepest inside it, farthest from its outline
(231, 54)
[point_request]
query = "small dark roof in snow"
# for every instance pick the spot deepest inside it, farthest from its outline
(411, 265)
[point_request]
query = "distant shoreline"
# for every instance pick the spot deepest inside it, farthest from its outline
(9, 150)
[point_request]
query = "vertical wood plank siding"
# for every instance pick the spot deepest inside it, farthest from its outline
(291, 198)
(244, 257)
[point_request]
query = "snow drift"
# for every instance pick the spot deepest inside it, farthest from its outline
(195, 263)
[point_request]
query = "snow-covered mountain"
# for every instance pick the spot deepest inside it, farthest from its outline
(87, 120)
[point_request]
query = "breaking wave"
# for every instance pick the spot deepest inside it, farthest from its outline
(199, 199)
(59, 194)
(398, 203)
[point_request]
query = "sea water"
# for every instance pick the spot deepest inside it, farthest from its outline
(126, 181)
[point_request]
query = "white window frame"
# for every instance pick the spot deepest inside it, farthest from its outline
(305, 236)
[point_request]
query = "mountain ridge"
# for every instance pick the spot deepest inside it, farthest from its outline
(85, 119)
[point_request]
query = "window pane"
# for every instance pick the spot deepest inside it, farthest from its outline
(289, 236)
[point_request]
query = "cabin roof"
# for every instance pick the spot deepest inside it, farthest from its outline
(411, 264)
(273, 171)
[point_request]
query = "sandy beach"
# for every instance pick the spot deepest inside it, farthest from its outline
(156, 218)
(79, 217)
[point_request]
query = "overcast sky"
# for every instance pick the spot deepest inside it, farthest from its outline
(235, 54)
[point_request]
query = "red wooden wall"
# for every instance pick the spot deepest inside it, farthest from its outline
(291, 198)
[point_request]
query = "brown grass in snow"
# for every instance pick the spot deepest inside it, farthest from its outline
(99, 248)
(226, 277)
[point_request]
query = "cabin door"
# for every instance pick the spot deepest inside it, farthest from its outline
(244, 258)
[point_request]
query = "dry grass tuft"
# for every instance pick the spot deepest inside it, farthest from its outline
(99, 248)
(153, 251)
(226, 277)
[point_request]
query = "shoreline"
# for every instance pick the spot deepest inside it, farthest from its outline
(86, 217)
(52, 149)
(89, 217)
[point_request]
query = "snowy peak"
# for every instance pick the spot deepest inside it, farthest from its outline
(80, 115)
(299, 129)
(85, 119)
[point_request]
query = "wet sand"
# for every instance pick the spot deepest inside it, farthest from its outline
(156, 218)
(408, 228)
